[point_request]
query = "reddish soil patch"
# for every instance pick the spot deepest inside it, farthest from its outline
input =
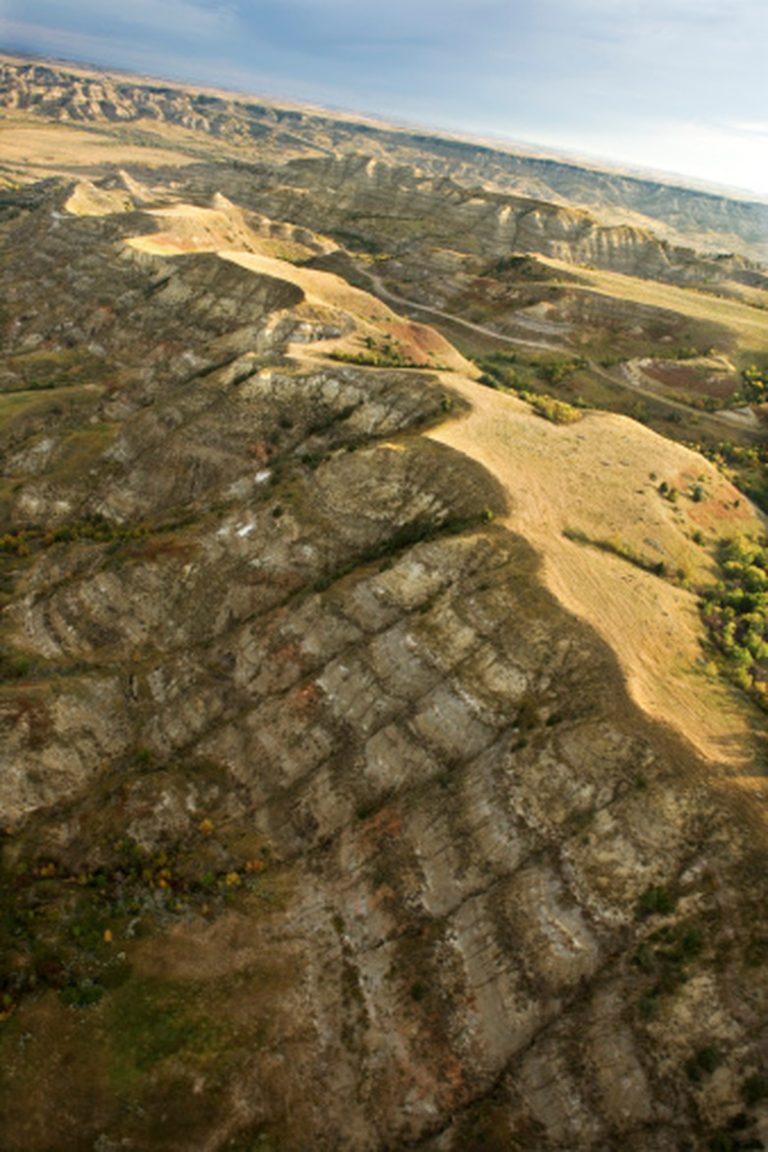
(417, 340)
(163, 549)
(722, 507)
(385, 825)
(305, 699)
(684, 378)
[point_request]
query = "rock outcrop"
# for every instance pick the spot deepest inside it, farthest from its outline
(325, 824)
(556, 192)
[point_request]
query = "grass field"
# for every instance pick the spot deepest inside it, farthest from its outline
(748, 323)
(606, 478)
(33, 150)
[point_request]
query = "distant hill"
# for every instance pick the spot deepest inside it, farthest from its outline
(707, 220)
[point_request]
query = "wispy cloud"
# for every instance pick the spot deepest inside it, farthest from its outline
(755, 128)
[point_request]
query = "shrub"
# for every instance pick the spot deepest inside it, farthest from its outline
(755, 1090)
(555, 410)
(82, 995)
(736, 613)
(655, 902)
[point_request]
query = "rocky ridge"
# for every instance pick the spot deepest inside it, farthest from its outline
(325, 824)
(549, 195)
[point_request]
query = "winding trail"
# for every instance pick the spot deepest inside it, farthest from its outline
(597, 477)
(481, 329)
(628, 383)
(631, 381)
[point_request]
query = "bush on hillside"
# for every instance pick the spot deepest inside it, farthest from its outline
(736, 613)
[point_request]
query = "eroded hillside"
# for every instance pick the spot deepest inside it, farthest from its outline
(557, 268)
(352, 796)
(240, 125)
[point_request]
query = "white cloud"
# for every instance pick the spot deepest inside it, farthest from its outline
(748, 128)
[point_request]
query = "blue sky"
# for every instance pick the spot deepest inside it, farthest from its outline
(677, 85)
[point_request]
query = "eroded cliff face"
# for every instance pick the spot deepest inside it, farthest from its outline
(390, 205)
(708, 221)
(325, 825)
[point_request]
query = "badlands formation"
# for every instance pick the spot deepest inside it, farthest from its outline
(367, 778)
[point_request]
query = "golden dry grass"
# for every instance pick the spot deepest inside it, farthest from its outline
(594, 477)
(37, 150)
(598, 477)
(328, 299)
(189, 228)
(88, 200)
(328, 294)
(749, 324)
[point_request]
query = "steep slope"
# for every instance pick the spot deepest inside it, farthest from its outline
(679, 214)
(592, 291)
(602, 490)
(601, 526)
(387, 205)
(326, 822)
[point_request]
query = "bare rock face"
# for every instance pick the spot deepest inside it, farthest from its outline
(475, 220)
(325, 825)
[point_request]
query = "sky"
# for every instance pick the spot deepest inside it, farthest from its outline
(674, 85)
